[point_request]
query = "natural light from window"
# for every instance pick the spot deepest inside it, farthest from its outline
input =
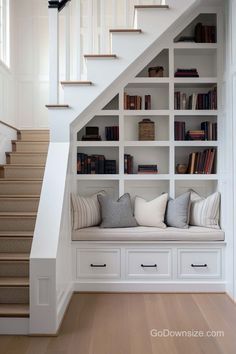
(4, 32)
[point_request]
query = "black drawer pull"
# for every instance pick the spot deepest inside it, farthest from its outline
(148, 265)
(98, 265)
(199, 265)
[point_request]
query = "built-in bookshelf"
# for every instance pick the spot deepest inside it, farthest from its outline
(166, 151)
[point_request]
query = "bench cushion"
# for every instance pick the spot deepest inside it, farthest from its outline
(142, 233)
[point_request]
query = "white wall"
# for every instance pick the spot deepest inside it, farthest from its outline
(30, 62)
(231, 113)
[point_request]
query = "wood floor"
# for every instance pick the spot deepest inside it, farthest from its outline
(121, 324)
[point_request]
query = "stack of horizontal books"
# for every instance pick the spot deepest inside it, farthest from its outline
(202, 162)
(195, 135)
(186, 73)
(147, 169)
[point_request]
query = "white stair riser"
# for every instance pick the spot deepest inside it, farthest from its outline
(14, 295)
(22, 146)
(14, 269)
(121, 44)
(14, 245)
(17, 223)
(25, 204)
(30, 159)
(23, 172)
(33, 136)
(19, 188)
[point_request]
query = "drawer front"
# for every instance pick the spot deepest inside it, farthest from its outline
(148, 264)
(97, 263)
(199, 263)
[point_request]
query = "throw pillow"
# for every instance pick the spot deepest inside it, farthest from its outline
(205, 211)
(177, 211)
(151, 213)
(86, 210)
(116, 213)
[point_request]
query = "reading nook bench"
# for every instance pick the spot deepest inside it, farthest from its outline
(149, 259)
(142, 233)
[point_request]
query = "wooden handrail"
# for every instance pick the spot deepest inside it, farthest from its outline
(9, 126)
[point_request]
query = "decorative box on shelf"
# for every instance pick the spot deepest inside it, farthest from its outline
(156, 71)
(146, 129)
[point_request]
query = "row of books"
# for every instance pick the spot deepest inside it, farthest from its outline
(95, 164)
(208, 131)
(135, 102)
(186, 73)
(128, 164)
(147, 169)
(202, 162)
(112, 133)
(199, 101)
(205, 34)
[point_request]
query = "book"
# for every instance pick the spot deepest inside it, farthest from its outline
(202, 162)
(128, 164)
(206, 101)
(112, 133)
(94, 164)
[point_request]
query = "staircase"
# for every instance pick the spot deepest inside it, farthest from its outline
(20, 187)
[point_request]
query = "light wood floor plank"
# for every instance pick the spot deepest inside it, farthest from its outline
(121, 324)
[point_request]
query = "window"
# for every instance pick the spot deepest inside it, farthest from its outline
(4, 32)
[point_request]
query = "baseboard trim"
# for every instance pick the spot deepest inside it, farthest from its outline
(14, 326)
(183, 287)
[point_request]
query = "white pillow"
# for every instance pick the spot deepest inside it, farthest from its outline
(151, 213)
(86, 211)
(205, 211)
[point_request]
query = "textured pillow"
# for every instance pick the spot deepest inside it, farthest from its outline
(116, 213)
(151, 213)
(205, 211)
(177, 211)
(86, 211)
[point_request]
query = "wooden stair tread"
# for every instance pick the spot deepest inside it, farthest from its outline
(14, 257)
(14, 281)
(6, 196)
(34, 131)
(26, 153)
(100, 55)
(17, 213)
(21, 179)
(57, 106)
(16, 234)
(14, 310)
(30, 142)
(125, 30)
(22, 166)
(151, 7)
(79, 82)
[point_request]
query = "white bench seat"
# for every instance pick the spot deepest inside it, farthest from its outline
(141, 233)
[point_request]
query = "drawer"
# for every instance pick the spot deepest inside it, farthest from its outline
(148, 264)
(199, 263)
(94, 263)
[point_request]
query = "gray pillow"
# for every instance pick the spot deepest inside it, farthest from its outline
(177, 211)
(116, 213)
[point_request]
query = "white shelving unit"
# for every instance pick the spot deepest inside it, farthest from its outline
(164, 150)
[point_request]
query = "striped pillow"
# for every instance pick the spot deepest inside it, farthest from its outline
(86, 211)
(205, 211)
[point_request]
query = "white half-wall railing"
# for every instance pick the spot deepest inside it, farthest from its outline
(83, 28)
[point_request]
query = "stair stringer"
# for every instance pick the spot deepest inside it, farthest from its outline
(104, 72)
